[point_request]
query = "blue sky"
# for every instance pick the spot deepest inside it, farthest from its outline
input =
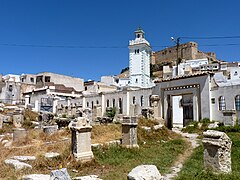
(107, 23)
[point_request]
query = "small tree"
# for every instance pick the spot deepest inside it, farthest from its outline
(111, 112)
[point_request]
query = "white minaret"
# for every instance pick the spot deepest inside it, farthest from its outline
(139, 61)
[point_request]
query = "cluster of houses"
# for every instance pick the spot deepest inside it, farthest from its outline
(187, 91)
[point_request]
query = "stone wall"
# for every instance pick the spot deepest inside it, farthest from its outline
(185, 51)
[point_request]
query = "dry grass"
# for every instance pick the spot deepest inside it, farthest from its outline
(38, 143)
(107, 162)
(105, 133)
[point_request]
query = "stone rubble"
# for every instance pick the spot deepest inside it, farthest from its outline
(142, 172)
(213, 125)
(60, 174)
(17, 164)
(91, 177)
(36, 177)
(24, 158)
(51, 155)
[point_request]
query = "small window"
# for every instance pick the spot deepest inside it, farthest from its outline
(235, 73)
(10, 88)
(136, 80)
(87, 104)
(107, 102)
(32, 80)
(85, 88)
(92, 104)
(134, 100)
(47, 78)
(142, 100)
(113, 102)
(213, 100)
(222, 103)
(97, 102)
(237, 102)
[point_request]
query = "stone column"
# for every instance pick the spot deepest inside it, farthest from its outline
(81, 140)
(73, 110)
(129, 132)
(55, 105)
(217, 151)
(27, 100)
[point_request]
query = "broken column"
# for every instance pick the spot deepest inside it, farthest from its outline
(217, 151)
(81, 139)
(155, 101)
(96, 112)
(129, 132)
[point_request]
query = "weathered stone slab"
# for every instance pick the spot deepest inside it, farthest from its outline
(51, 155)
(19, 134)
(36, 177)
(50, 129)
(91, 177)
(144, 172)
(17, 164)
(213, 125)
(157, 127)
(24, 158)
(60, 174)
(217, 151)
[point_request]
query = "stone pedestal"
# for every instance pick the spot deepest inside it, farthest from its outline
(229, 117)
(50, 129)
(129, 132)
(81, 140)
(19, 134)
(217, 151)
(155, 103)
(18, 120)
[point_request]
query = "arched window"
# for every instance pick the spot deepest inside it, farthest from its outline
(142, 101)
(113, 102)
(92, 104)
(87, 104)
(237, 102)
(97, 102)
(134, 100)
(222, 103)
(107, 102)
